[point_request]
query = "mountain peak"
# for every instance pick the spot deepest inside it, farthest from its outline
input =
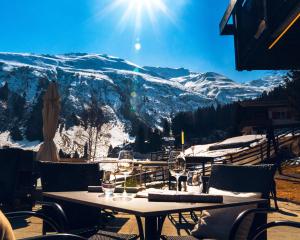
(168, 73)
(129, 94)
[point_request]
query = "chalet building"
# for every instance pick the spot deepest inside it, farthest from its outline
(257, 115)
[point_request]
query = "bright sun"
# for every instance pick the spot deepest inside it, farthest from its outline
(138, 10)
(138, 13)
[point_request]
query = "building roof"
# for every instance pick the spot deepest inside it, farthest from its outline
(266, 36)
(259, 103)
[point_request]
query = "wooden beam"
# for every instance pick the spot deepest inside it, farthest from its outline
(283, 29)
(229, 29)
(226, 17)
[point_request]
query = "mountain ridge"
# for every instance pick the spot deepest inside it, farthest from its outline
(127, 92)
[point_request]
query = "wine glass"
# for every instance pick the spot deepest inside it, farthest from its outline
(125, 166)
(177, 167)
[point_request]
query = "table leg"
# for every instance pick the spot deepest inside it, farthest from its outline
(153, 227)
(140, 226)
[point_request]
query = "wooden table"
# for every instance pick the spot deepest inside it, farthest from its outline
(195, 160)
(153, 212)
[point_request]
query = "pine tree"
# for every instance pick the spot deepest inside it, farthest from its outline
(110, 149)
(76, 155)
(16, 134)
(34, 125)
(156, 140)
(166, 127)
(85, 151)
(61, 154)
(140, 140)
(4, 92)
(16, 106)
(93, 119)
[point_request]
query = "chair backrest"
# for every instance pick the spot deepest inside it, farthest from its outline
(254, 178)
(247, 178)
(269, 225)
(58, 177)
(9, 165)
(16, 178)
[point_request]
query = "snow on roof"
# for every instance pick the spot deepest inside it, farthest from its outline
(237, 143)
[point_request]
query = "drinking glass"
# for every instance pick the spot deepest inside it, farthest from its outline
(125, 167)
(194, 181)
(109, 178)
(109, 182)
(177, 167)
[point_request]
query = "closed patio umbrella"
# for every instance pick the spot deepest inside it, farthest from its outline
(51, 109)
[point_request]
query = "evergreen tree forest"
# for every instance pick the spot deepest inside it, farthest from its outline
(148, 140)
(216, 123)
(205, 125)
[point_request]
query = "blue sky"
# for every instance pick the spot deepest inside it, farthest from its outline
(180, 33)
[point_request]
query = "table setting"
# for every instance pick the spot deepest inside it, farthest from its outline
(177, 167)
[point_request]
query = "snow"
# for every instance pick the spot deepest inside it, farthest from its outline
(153, 93)
(204, 150)
(5, 141)
(243, 139)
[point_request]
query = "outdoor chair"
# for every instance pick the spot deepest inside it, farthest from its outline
(8, 178)
(16, 179)
(61, 177)
(254, 178)
(60, 225)
(256, 234)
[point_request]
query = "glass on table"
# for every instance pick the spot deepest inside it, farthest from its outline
(109, 183)
(194, 181)
(177, 167)
(109, 179)
(125, 166)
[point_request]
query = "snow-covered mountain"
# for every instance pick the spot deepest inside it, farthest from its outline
(128, 93)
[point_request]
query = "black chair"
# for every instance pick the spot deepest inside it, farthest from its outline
(254, 178)
(261, 230)
(60, 177)
(27, 179)
(247, 178)
(237, 224)
(60, 225)
(8, 178)
(16, 179)
(269, 225)
(82, 220)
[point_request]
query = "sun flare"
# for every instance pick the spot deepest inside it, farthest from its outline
(138, 11)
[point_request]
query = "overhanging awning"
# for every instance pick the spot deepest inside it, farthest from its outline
(266, 33)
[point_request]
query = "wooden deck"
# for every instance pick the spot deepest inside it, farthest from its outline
(125, 223)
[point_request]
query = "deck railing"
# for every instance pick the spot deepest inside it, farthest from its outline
(252, 155)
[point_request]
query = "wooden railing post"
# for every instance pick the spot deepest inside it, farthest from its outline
(141, 173)
(145, 177)
(261, 153)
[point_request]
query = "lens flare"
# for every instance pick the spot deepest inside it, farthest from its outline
(137, 46)
(138, 11)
